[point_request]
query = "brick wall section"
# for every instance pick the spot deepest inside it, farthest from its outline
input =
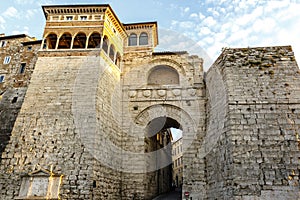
(259, 149)
(22, 49)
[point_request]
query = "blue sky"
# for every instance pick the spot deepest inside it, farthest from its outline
(202, 27)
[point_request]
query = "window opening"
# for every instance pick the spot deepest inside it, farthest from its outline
(65, 41)
(79, 41)
(51, 41)
(14, 100)
(132, 40)
(105, 44)
(94, 40)
(83, 18)
(2, 78)
(3, 43)
(22, 68)
(143, 40)
(112, 52)
(69, 18)
(6, 60)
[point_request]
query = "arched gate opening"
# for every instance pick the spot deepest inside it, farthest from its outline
(160, 166)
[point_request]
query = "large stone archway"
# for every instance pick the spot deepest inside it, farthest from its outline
(141, 171)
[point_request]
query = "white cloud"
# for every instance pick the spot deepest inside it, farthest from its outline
(2, 22)
(244, 20)
(213, 12)
(289, 13)
(193, 16)
(204, 31)
(201, 16)
(10, 12)
(220, 37)
(266, 25)
(184, 10)
(187, 9)
(24, 1)
(209, 40)
(30, 13)
(186, 24)
(239, 37)
(209, 21)
(24, 31)
(197, 17)
(274, 5)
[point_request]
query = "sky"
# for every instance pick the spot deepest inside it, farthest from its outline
(202, 27)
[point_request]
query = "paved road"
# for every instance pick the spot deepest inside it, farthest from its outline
(174, 195)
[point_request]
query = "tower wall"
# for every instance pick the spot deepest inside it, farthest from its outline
(256, 155)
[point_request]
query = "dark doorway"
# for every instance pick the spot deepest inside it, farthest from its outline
(158, 151)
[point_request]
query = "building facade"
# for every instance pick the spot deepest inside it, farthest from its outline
(18, 55)
(98, 101)
(177, 163)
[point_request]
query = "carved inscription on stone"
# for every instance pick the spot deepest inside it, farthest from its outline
(40, 185)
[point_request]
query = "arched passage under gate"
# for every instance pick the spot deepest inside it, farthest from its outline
(158, 140)
(158, 120)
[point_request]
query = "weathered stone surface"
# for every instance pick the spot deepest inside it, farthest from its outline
(258, 143)
(22, 50)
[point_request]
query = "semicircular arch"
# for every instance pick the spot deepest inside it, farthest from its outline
(167, 110)
(169, 62)
(163, 75)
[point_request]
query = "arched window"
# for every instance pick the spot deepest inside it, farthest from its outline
(112, 52)
(132, 40)
(51, 41)
(143, 40)
(118, 59)
(94, 40)
(65, 41)
(163, 75)
(105, 44)
(79, 41)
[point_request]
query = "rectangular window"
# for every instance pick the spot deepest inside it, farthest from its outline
(6, 60)
(69, 18)
(3, 43)
(2, 78)
(22, 68)
(83, 18)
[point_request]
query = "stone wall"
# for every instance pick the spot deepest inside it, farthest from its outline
(61, 101)
(22, 50)
(257, 154)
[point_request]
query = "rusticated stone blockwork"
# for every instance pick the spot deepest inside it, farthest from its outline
(95, 121)
(256, 155)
